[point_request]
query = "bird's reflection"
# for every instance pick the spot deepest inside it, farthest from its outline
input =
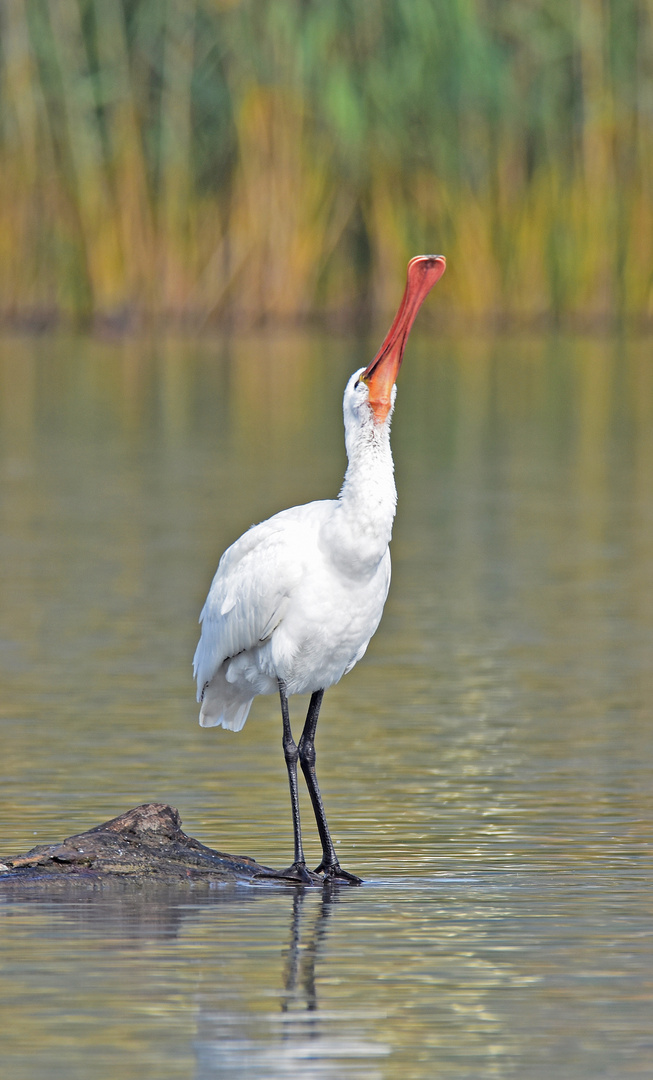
(296, 1040)
(302, 957)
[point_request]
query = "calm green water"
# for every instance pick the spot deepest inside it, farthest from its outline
(488, 767)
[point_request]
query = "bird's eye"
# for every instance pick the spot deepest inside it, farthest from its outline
(357, 384)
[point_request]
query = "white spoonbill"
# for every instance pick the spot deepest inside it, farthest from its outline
(296, 599)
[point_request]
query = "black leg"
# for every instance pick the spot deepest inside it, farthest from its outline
(291, 754)
(299, 870)
(306, 750)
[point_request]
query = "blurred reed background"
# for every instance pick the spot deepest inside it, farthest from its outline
(214, 159)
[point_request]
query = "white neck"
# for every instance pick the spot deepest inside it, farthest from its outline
(360, 528)
(368, 491)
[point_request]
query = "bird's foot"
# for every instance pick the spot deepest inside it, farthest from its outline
(298, 874)
(334, 872)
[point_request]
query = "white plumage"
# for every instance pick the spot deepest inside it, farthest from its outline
(296, 599)
(299, 596)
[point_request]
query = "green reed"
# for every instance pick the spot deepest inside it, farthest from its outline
(272, 159)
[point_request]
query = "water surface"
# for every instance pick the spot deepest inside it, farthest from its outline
(487, 768)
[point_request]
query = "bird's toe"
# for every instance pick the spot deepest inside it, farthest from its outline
(335, 872)
(298, 874)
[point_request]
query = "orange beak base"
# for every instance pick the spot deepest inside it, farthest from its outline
(381, 374)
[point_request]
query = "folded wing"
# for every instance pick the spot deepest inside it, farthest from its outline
(246, 602)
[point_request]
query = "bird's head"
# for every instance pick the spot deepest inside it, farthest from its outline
(373, 388)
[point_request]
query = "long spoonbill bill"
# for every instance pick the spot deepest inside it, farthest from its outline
(295, 601)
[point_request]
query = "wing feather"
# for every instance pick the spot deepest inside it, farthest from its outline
(248, 595)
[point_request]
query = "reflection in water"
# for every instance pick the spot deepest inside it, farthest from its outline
(306, 946)
(127, 934)
(297, 1041)
(393, 980)
(309, 955)
(502, 821)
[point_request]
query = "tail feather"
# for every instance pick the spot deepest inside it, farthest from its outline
(223, 705)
